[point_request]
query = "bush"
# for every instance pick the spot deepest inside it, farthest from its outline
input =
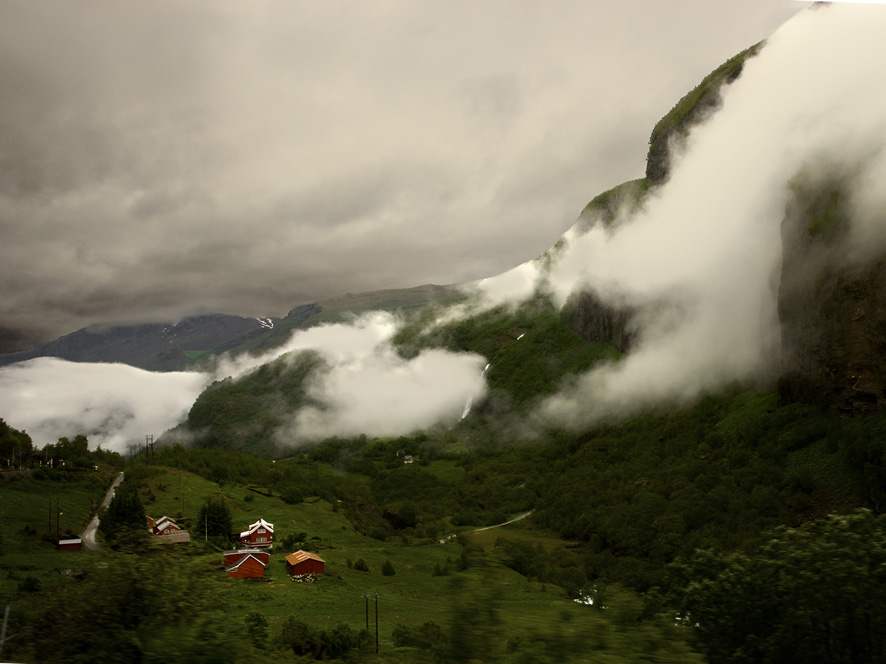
(257, 628)
(292, 496)
(29, 584)
(428, 636)
(335, 643)
(388, 569)
(292, 539)
(361, 565)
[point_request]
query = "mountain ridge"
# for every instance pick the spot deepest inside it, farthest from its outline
(185, 344)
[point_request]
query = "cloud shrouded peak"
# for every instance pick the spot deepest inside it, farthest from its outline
(162, 159)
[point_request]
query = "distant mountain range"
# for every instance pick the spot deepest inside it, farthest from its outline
(173, 346)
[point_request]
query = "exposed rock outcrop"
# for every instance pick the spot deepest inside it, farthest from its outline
(598, 322)
(832, 311)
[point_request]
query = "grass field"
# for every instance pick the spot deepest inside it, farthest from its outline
(446, 471)
(413, 595)
(476, 583)
(63, 503)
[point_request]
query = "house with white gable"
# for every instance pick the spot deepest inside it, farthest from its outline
(260, 533)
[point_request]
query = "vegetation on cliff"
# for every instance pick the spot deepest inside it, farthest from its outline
(693, 107)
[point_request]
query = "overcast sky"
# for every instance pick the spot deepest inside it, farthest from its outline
(159, 159)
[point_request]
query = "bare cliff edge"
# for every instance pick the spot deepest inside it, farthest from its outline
(832, 310)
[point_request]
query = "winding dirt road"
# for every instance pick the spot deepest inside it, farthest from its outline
(88, 535)
(499, 525)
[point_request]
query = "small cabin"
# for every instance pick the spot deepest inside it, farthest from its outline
(164, 526)
(167, 530)
(260, 533)
(304, 562)
(246, 564)
(74, 544)
(234, 556)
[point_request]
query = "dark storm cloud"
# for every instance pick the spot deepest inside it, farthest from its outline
(158, 159)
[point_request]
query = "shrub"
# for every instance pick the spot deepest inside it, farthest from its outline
(388, 569)
(361, 565)
(292, 496)
(29, 584)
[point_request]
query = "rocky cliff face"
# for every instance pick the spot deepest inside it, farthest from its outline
(585, 313)
(832, 312)
(693, 108)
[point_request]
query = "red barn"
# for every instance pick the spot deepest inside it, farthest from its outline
(304, 562)
(248, 566)
(260, 533)
(70, 544)
(234, 556)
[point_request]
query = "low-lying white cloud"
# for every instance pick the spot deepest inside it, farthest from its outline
(365, 386)
(381, 394)
(337, 342)
(114, 405)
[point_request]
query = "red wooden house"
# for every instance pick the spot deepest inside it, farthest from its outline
(246, 564)
(165, 526)
(234, 556)
(304, 562)
(260, 533)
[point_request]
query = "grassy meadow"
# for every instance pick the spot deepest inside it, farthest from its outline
(413, 595)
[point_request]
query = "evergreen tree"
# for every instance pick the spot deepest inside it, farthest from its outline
(214, 518)
(15, 446)
(124, 522)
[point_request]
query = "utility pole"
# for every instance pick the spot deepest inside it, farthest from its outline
(376, 623)
(3, 631)
(366, 597)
